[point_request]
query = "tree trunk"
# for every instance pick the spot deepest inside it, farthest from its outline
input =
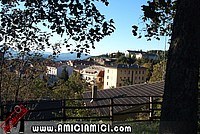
(180, 104)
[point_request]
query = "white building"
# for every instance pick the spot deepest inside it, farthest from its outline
(141, 54)
(137, 54)
(91, 73)
(151, 56)
(54, 71)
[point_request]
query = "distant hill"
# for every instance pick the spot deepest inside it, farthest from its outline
(67, 56)
(59, 57)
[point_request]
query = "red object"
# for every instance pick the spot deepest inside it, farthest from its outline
(13, 118)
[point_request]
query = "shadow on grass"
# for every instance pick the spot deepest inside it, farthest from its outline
(144, 127)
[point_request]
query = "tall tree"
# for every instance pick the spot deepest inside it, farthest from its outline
(28, 25)
(158, 72)
(64, 74)
(23, 80)
(72, 88)
(131, 59)
(180, 103)
(122, 60)
(149, 67)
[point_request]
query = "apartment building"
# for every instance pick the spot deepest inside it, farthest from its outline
(122, 74)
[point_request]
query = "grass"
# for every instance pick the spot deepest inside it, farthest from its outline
(145, 127)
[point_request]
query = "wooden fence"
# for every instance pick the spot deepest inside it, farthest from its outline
(58, 109)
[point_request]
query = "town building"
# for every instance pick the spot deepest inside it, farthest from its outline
(93, 74)
(131, 53)
(151, 56)
(54, 71)
(124, 74)
(79, 62)
(104, 61)
(141, 54)
(79, 65)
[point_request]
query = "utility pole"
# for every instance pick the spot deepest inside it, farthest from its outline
(164, 61)
(1, 70)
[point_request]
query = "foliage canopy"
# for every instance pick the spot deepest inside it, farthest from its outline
(27, 25)
(157, 19)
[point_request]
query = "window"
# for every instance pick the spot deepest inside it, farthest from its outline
(143, 71)
(128, 78)
(125, 72)
(108, 71)
(136, 78)
(142, 78)
(107, 77)
(139, 78)
(135, 72)
(107, 83)
(128, 72)
(139, 72)
(120, 84)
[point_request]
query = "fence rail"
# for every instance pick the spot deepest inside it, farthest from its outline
(63, 108)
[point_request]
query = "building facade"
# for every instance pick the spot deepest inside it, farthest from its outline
(93, 74)
(122, 75)
(55, 71)
(141, 54)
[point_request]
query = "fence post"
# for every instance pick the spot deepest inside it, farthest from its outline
(21, 128)
(150, 107)
(2, 108)
(64, 109)
(111, 111)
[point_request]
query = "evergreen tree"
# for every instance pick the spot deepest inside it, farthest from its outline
(149, 67)
(121, 60)
(131, 59)
(158, 72)
(64, 75)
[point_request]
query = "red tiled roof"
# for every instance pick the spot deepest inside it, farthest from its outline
(101, 74)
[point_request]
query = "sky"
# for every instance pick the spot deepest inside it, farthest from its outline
(125, 13)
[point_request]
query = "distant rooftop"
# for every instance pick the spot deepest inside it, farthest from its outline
(133, 51)
(131, 66)
(56, 64)
(82, 62)
(92, 70)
